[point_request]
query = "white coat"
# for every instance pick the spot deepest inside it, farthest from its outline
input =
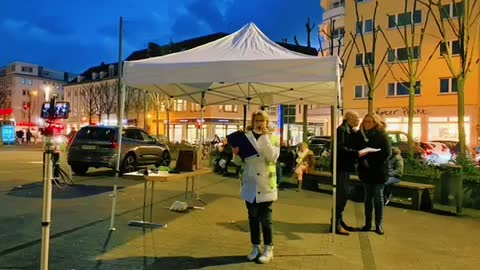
(256, 178)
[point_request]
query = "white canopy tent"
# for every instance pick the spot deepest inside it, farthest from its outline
(245, 67)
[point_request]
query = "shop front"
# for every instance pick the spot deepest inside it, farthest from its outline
(432, 122)
(190, 130)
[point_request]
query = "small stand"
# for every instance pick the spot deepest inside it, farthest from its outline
(47, 200)
(50, 111)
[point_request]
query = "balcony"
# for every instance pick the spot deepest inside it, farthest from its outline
(338, 11)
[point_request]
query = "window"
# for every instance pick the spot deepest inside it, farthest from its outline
(338, 3)
(27, 69)
(368, 59)
(24, 92)
(404, 19)
(338, 33)
(401, 54)
(365, 26)
(448, 85)
(180, 105)
(230, 108)
(361, 91)
(452, 10)
(30, 82)
(454, 46)
(402, 89)
(195, 107)
(24, 81)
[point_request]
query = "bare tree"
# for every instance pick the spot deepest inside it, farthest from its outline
(130, 99)
(89, 100)
(458, 25)
(156, 104)
(309, 31)
(4, 92)
(370, 67)
(108, 92)
(139, 105)
(409, 64)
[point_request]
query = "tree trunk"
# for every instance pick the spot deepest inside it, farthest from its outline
(157, 111)
(305, 123)
(461, 116)
(168, 125)
(411, 107)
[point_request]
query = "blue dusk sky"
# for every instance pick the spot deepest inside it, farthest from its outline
(73, 35)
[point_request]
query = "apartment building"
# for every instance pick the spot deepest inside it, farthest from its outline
(24, 87)
(436, 95)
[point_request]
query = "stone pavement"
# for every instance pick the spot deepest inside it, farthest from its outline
(218, 238)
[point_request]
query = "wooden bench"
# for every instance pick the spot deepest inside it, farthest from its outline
(421, 194)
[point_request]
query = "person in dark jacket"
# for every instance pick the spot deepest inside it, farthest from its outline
(346, 159)
(373, 168)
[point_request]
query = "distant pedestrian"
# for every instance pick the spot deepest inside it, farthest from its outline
(373, 168)
(259, 185)
(29, 136)
(395, 172)
(302, 163)
(20, 136)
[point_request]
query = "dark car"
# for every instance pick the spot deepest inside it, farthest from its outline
(319, 144)
(400, 139)
(96, 146)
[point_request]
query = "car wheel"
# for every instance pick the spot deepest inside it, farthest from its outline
(79, 169)
(164, 160)
(129, 164)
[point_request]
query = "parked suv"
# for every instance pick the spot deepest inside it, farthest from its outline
(400, 139)
(96, 146)
(319, 144)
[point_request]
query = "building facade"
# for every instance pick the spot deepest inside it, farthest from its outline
(24, 87)
(436, 95)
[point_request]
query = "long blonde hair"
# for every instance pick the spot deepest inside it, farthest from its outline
(378, 124)
(265, 116)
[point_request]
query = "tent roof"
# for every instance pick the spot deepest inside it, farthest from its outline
(244, 66)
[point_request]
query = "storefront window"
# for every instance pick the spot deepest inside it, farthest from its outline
(176, 133)
(220, 131)
(446, 128)
(401, 124)
(231, 128)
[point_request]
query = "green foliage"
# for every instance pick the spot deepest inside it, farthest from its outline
(163, 168)
(417, 168)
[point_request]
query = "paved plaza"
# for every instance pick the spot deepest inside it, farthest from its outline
(218, 238)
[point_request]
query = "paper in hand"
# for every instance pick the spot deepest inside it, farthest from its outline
(240, 140)
(367, 150)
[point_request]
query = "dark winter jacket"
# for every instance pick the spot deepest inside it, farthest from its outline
(347, 154)
(373, 167)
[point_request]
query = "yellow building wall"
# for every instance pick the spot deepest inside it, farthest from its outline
(431, 101)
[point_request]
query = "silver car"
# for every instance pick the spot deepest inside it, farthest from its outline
(96, 146)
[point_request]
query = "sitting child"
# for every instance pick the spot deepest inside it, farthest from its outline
(395, 172)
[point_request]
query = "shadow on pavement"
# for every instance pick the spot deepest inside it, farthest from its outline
(185, 263)
(290, 230)
(35, 190)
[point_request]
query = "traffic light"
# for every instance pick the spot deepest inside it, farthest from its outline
(26, 106)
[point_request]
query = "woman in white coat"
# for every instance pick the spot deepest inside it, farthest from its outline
(259, 184)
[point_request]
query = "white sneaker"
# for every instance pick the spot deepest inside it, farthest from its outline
(267, 255)
(255, 253)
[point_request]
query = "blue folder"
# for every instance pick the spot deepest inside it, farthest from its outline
(239, 139)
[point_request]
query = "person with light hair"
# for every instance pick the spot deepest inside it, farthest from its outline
(302, 163)
(373, 168)
(259, 184)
